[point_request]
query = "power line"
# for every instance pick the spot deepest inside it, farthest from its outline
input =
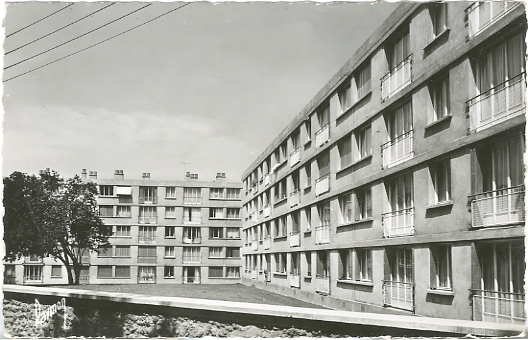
(23, 28)
(82, 35)
(84, 49)
(47, 35)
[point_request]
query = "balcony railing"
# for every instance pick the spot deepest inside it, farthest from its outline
(295, 157)
(295, 239)
(267, 243)
(398, 294)
(147, 239)
(267, 210)
(147, 259)
(490, 306)
(481, 15)
(322, 234)
(194, 240)
(498, 207)
(32, 278)
(148, 219)
(191, 258)
(399, 77)
(398, 223)
(193, 220)
(146, 279)
(322, 185)
(295, 280)
(498, 104)
(295, 198)
(397, 150)
(267, 179)
(147, 200)
(192, 200)
(322, 135)
(254, 245)
(322, 284)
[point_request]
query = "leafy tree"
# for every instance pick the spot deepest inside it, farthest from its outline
(50, 216)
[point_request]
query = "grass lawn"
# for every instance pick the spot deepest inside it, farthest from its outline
(231, 292)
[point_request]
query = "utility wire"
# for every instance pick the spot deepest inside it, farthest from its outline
(23, 28)
(47, 35)
(84, 49)
(82, 35)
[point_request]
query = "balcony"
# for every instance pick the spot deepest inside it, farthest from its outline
(490, 306)
(322, 234)
(31, 279)
(267, 179)
(148, 200)
(254, 245)
(192, 200)
(146, 279)
(267, 210)
(192, 220)
(498, 104)
(295, 157)
(147, 239)
(194, 240)
(254, 274)
(191, 258)
(295, 198)
(267, 243)
(322, 185)
(147, 259)
(498, 207)
(295, 239)
(295, 280)
(148, 219)
(322, 284)
(397, 150)
(398, 295)
(398, 223)
(322, 136)
(397, 79)
(481, 15)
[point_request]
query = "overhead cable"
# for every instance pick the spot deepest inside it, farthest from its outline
(23, 28)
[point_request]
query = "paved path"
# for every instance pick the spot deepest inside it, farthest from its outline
(370, 319)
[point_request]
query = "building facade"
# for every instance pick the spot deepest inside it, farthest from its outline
(400, 187)
(163, 232)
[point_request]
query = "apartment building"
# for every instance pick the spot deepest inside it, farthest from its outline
(400, 187)
(167, 232)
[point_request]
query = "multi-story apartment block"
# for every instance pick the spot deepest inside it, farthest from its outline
(400, 187)
(163, 232)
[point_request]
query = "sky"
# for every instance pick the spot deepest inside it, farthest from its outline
(208, 85)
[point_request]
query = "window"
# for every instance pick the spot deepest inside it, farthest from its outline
(363, 208)
(170, 192)
(323, 115)
(106, 190)
(345, 151)
(192, 195)
(9, 270)
(122, 271)
(122, 251)
(191, 254)
(216, 252)
(147, 254)
(169, 252)
(170, 212)
(104, 271)
(283, 151)
(400, 265)
(232, 232)
(441, 267)
(363, 265)
(363, 143)
(295, 222)
(346, 204)
(324, 214)
(401, 193)
(362, 82)
(106, 210)
(168, 272)
(215, 232)
(439, 92)
(233, 194)
(170, 232)
(191, 233)
(216, 193)
(216, 213)
(56, 271)
(399, 50)
(345, 96)
(233, 271)
(400, 122)
(441, 182)
(148, 214)
(233, 212)
(307, 130)
(308, 175)
(323, 162)
(147, 234)
(148, 194)
(233, 252)
(308, 218)
(216, 272)
(280, 226)
(308, 260)
(122, 231)
(295, 139)
(345, 265)
(438, 12)
(280, 263)
(192, 215)
(502, 266)
(105, 251)
(123, 211)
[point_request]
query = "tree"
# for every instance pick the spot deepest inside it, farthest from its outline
(49, 216)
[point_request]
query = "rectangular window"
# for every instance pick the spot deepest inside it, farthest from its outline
(363, 207)
(345, 96)
(307, 130)
(122, 271)
(124, 211)
(323, 163)
(147, 234)
(441, 267)
(233, 194)
(191, 233)
(106, 210)
(399, 50)
(216, 252)
(170, 232)
(233, 213)
(363, 143)
(216, 193)
(401, 193)
(148, 214)
(345, 151)
(363, 265)
(104, 271)
(216, 213)
(170, 192)
(345, 265)
(192, 195)
(362, 81)
(438, 12)
(233, 271)
(192, 215)
(106, 190)
(191, 254)
(105, 251)
(122, 231)
(280, 263)
(56, 271)
(323, 115)
(346, 204)
(439, 92)
(215, 232)
(283, 151)
(232, 232)
(216, 272)
(441, 182)
(148, 195)
(168, 272)
(169, 252)
(324, 214)
(170, 212)
(122, 251)
(233, 252)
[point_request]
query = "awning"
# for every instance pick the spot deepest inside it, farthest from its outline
(124, 190)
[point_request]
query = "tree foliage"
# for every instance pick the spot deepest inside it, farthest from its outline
(50, 216)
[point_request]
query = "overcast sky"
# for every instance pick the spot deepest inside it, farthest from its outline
(210, 85)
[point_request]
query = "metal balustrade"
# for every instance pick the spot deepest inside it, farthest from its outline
(398, 294)
(37, 278)
(397, 150)
(193, 240)
(492, 306)
(295, 239)
(295, 157)
(399, 77)
(322, 234)
(322, 284)
(191, 258)
(147, 200)
(295, 198)
(147, 259)
(498, 104)
(147, 219)
(398, 223)
(481, 15)
(147, 239)
(498, 207)
(146, 279)
(192, 200)
(322, 185)
(322, 135)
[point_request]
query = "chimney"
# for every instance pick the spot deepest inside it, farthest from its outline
(84, 174)
(146, 175)
(194, 177)
(187, 176)
(43, 172)
(220, 177)
(119, 174)
(92, 175)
